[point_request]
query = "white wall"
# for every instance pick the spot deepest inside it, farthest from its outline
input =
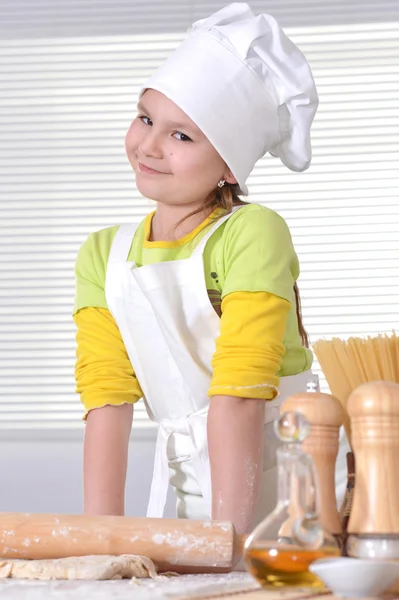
(42, 472)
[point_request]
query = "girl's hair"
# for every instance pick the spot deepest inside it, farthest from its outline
(226, 198)
(302, 331)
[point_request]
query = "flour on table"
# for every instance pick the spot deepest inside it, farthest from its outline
(80, 567)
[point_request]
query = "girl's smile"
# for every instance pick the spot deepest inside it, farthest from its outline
(144, 169)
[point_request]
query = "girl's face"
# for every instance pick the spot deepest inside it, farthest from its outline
(173, 161)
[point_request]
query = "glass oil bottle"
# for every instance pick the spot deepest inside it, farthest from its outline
(281, 548)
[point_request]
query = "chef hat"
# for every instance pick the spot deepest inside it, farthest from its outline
(246, 85)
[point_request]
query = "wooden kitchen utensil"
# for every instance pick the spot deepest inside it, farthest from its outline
(180, 545)
(374, 412)
(325, 415)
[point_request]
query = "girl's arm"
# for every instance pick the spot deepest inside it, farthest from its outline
(235, 439)
(246, 363)
(105, 459)
(108, 389)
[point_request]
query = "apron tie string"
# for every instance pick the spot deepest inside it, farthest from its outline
(195, 426)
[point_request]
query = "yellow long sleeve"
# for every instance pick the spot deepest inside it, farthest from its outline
(248, 355)
(103, 372)
(250, 348)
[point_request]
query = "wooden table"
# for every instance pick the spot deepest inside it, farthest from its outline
(261, 594)
(234, 586)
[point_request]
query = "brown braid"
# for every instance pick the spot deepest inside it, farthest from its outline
(302, 331)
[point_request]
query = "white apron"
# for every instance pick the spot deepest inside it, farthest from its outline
(169, 328)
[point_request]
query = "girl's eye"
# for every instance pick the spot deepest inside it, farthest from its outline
(182, 137)
(146, 120)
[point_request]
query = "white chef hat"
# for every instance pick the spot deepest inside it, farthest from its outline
(246, 85)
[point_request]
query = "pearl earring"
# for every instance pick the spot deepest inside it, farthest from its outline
(221, 183)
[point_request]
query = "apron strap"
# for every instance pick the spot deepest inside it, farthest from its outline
(122, 242)
(160, 477)
(199, 250)
(197, 426)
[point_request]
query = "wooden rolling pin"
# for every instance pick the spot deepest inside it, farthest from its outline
(325, 415)
(180, 545)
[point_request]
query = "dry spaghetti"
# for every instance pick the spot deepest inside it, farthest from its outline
(347, 364)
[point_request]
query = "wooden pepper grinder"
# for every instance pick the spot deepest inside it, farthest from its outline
(374, 520)
(325, 415)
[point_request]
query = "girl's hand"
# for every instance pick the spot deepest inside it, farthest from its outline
(235, 439)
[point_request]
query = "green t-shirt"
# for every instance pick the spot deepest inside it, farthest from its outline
(250, 252)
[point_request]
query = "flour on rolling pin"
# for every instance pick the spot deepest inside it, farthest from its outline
(64, 532)
(7, 533)
(188, 542)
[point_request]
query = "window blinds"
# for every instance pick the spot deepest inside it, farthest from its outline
(68, 92)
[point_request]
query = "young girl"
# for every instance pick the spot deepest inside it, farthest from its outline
(196, 310)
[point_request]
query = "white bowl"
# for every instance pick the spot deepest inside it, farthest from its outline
(354, 577)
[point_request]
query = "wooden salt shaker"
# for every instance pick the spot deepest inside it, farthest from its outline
(374, 411)
(325, 415)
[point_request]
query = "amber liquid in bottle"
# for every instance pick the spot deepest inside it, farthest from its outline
(277, 567)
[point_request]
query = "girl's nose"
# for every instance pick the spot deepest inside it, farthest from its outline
(151, 145)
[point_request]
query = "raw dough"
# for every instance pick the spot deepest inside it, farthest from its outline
(80, 567)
